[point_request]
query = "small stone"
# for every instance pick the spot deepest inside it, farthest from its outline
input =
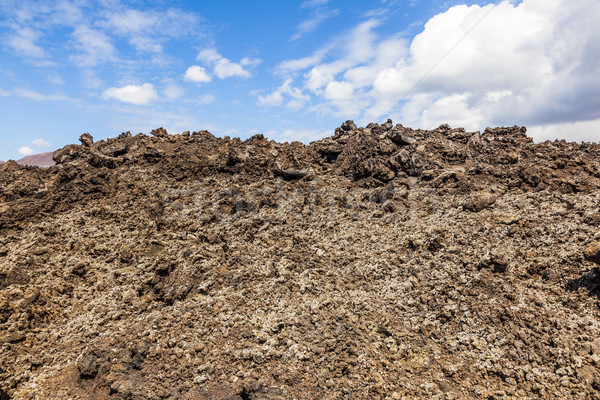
(88, 366)
(592, 252)
(479, 201)
(13, 337)
(592, 219)
(201, 379)
(496, 262)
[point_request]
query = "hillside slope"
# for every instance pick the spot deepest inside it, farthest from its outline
(381, 262)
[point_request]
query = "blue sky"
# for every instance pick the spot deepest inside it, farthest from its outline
(294, 70)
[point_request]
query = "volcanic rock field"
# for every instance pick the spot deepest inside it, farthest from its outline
(379, 263)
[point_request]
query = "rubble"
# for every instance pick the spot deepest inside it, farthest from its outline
(381, 262)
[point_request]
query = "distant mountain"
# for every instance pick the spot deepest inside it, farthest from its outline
(38, 160)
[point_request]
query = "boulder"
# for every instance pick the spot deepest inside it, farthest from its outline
(402, 136)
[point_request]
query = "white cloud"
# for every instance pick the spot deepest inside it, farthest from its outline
(94, 47)
(302, 135)
(207, 98)
(41, 143)
(56, 80)
(225, 68)
(522, 64)
(588, 131)
(23, 41)
(133, 94)
(25, 151)
(276, 98)
(338, 90)
(90, 79)
(313, 3)
(208, 56)
(197, 74)
(272, 99)
(4, 92)
(501, 64)
(33, 95)
(317, 18)
(172, 91)
(140, 26)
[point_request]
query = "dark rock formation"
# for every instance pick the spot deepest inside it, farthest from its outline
(382, 262)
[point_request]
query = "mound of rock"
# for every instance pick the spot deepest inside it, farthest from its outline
(381, 262)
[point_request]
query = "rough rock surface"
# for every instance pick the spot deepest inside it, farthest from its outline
(382, 262)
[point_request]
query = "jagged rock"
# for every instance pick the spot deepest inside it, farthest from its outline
(160, 132)
(348, 126)
(496, 262)
(388, 125)
(86, 140)
(67, 153)
(445, 265)
(114, 150)
(402, 136)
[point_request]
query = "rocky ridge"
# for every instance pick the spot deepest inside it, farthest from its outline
(380, 262)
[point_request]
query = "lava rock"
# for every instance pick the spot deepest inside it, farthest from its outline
(159, 132)
(86, 139)
(402, 136)
(496, 262)
(592, 252)
(348, 126)
(479, 201)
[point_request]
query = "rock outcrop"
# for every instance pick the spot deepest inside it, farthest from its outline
(381, 262)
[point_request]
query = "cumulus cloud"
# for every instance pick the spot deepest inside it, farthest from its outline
(197, 74)
(41, 143)
(276, 98)
(524, 64)
(134, 94)
(500, 64)
(224, 67)
(25, 151)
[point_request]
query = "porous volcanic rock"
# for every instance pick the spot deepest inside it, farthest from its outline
(382, 262)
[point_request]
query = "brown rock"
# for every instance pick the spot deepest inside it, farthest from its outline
(496, 262)
(479, 201)
(592, 252)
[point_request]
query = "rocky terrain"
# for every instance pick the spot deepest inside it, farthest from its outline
(379, 263)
